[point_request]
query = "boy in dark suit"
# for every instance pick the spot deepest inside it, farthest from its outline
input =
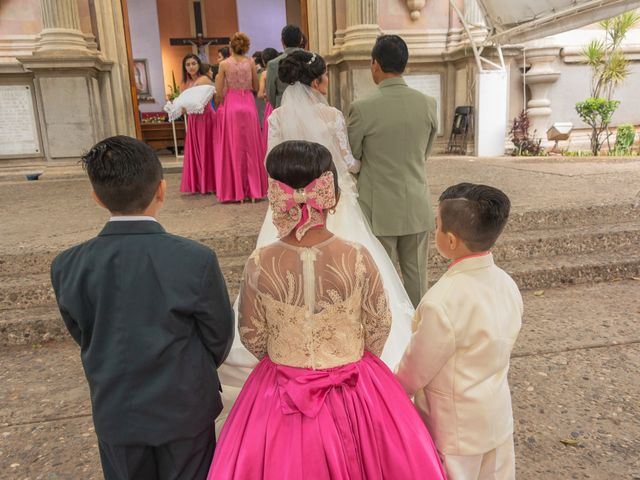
(152, 316)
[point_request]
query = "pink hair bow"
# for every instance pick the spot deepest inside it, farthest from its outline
(301, 208)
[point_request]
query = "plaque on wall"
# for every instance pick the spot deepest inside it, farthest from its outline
(18, 129)
(429, 84)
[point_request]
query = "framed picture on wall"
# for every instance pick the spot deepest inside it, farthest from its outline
(141, 73)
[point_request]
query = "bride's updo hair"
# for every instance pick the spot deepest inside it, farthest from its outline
(297, 163)
(301, 66)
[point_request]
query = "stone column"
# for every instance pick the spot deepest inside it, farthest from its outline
(362, 25)
(540, 78)
(472, 13)
(61, 33)
(68, 74)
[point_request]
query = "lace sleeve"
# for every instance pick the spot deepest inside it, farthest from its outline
(353, 164)
(376, 315)
(274, 136)
(252, 323)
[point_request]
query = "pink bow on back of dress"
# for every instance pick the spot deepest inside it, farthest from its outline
(301, 209)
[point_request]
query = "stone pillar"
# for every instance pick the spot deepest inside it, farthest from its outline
(540, 78)
(472, 13)
(61, 32)
(68, 76)
(362, 25)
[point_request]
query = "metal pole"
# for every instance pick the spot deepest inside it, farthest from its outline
(468, 32)
(175, 140)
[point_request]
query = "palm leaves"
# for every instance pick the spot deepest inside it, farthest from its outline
(605, 57)
(609, 68)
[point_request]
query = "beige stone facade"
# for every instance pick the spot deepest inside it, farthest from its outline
(73, 56)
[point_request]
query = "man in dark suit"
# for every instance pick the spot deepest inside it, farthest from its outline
(292, 39)
(152, 316)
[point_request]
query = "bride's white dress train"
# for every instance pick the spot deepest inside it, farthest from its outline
(305, 115)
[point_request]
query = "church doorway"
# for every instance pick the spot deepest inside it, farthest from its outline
(161, 32)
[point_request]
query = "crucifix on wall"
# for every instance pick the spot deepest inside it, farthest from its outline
(199, 41)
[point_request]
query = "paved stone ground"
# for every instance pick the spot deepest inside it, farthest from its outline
(57, 210)
(574, 373)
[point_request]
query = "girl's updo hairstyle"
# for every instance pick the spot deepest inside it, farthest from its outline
(301, 66)
(297, 163)
(240, 43)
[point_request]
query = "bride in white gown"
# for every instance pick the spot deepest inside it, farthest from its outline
(305, 115)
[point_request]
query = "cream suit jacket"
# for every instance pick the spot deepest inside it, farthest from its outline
(457, 361)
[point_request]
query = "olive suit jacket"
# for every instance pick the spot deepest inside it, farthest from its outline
(391, 132)
(152, 316)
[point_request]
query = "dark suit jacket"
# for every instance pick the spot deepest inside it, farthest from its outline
(152, 316)
(275, 87)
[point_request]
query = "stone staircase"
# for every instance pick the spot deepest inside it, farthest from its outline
(540, 249)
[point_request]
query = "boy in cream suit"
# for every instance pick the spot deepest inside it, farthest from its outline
(457, 361)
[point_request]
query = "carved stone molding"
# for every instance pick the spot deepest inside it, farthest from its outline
(415, 6)
(540, 78)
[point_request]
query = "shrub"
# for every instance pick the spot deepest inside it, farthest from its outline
(597, 113)
(625, 136)
(525, 143)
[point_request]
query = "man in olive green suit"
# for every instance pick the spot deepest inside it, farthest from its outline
(292, 38)
(391, 132)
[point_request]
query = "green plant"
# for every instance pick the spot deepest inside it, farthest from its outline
(597, 113)
(174, 89)
(625, 136)
(609, 67)
(525, 144)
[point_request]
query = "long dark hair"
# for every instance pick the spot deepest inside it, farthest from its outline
(185, 74)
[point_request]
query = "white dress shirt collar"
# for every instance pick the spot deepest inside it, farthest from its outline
(132, 218)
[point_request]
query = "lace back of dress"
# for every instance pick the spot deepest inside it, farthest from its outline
(316, 307)
(238, 75)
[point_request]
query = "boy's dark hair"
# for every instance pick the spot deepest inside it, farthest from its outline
(269, 54)
(477, 214)
(301, 66)
(291, 36)
(124, 173)
(225, 52)
(391, 53)
(201, 70)
(297, 163)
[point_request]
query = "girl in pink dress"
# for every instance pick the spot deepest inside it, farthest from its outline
(239, 151)
(320, 404)
(198, 165)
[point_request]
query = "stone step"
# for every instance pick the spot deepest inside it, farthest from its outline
(512, 245)
(34, 318)
(35, 290)
(538, 262)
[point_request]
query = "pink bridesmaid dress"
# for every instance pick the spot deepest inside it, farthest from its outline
(239, 152)
(320, 404)
(198, 174)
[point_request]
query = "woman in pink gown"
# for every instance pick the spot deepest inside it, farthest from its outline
(320, 404)
(198, 174)
(239, 152)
